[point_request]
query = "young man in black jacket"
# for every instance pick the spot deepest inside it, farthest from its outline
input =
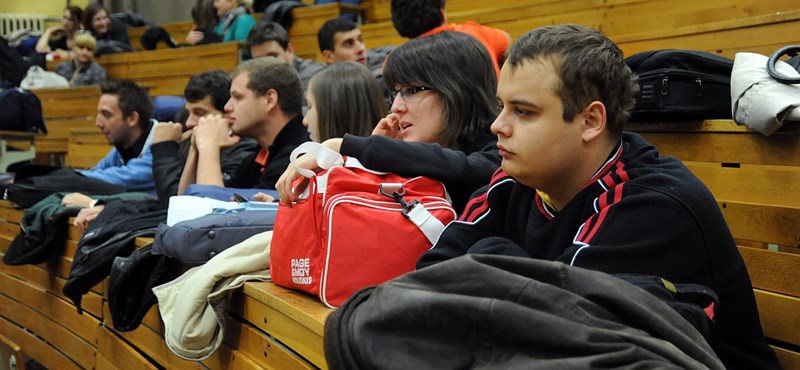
(574, 188)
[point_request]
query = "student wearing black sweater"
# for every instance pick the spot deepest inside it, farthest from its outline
(439, 125)
(574, 188)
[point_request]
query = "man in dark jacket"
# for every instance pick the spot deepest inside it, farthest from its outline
(265, 104)
(205, 94)
(574, 188)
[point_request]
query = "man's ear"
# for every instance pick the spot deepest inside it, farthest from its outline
(444, 16)
(290, 49)
(271, 98)
(133, 119)
(593, 120)
(328, 56)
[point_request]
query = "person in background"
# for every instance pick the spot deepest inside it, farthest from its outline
(82, 70)
(343, 98)
(96, 20)
(58, 39)
(123, 115)
(205, 19)
(234, 21)
(270, 39)
(265, 105)
(420, 18)
(439, 125)
(340, 39)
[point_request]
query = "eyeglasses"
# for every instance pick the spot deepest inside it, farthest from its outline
(408, 93)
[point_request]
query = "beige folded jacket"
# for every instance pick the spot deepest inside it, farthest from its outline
(194, 306)
(759, 101)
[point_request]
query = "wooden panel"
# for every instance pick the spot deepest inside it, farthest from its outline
(36, 347)
(732, 147)
(773, 271)
(44, 325)
(789, 359)
(113, 349)
(9, 213)
(758, 34)
(763, 223)
(9, 230)
(265, 351)
(42, 279)
(649, 16)
(754, 184)
(84, 326)
(168, 70)
(153, 345)
(78, 92)
(293, 318)
(779, 316)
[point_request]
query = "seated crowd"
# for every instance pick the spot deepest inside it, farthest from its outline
(527, 137)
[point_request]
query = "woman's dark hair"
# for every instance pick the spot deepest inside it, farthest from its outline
(91, 10)
(459, 67)
(204, 15)
(348, 100)
(76, 14)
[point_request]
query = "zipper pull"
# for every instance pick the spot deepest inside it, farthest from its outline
(665, 85)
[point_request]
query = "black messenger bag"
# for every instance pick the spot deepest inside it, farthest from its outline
(681, 85)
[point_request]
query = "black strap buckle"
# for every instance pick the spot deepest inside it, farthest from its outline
(396, 192)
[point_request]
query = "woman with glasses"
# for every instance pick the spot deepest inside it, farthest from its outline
(58, 39)
(445, 88)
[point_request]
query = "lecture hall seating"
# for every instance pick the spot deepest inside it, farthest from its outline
(751, 176)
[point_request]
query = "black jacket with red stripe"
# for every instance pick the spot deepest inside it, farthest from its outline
(642, 214)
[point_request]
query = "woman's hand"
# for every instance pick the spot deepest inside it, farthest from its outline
(389, 127)
(284, 185)
(194, 37)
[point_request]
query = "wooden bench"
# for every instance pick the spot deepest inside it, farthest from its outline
(16, 147)
(716, 26)
(752, 177)
(86, 147)
(63, 110)
(176, 30)
(268, 327)
(168, 70)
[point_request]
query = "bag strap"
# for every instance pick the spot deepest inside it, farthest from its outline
(325, 157)
(791, 50)
(427, 223)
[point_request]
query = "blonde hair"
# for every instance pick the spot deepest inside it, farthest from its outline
(85, 40)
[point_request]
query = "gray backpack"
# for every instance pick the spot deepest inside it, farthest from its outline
(195, 241)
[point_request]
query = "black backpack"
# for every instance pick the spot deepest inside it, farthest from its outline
(281, 12)
(12, 67)
(21, 111)
(681, 84)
